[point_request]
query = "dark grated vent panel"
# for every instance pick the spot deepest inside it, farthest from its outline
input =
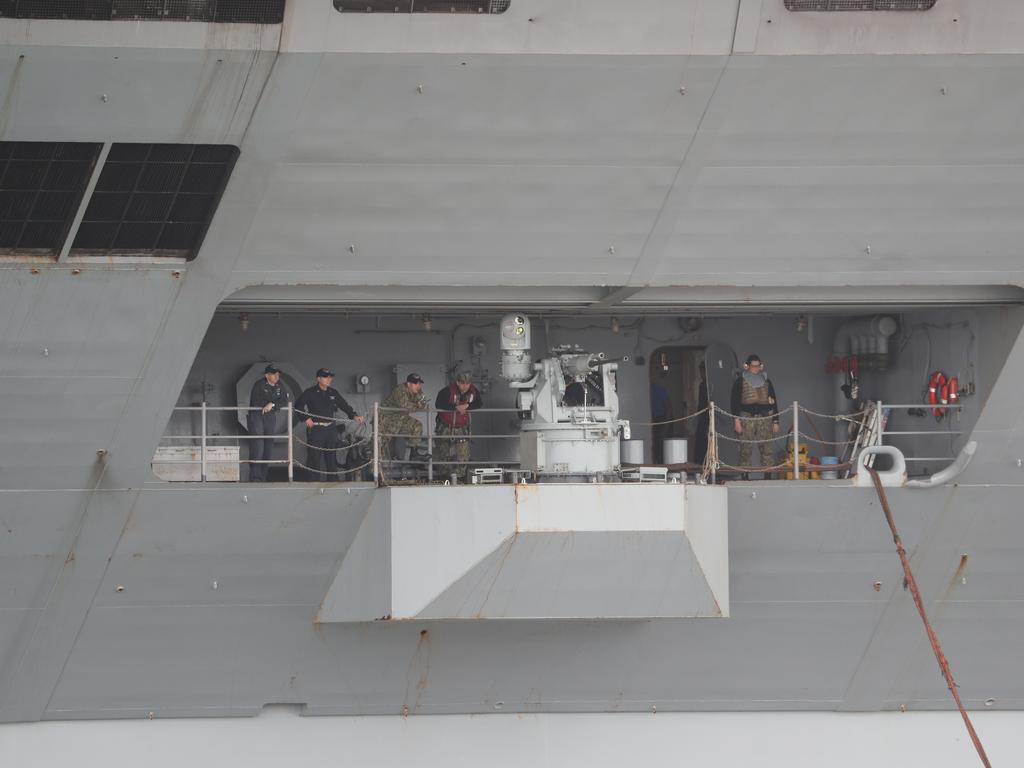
(422, 6)
(155, 199)
(859, 5)
(41, 187)
(224, 11)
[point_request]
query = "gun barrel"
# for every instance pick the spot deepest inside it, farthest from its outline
(599, 363)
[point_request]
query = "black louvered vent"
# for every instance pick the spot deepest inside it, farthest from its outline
(859, 5)
(422, 6)
(41, 187)
(226, 11)
(155, 200)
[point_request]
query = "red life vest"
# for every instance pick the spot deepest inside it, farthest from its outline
(453, 418)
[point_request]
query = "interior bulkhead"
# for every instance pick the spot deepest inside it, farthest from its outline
(830, 355)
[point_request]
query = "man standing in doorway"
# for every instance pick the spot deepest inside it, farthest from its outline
(316, 407)
(270, 398)
(757, 419)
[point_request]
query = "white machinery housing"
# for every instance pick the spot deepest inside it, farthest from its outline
(570, 405)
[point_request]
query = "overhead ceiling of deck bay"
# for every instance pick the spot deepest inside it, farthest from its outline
(581, 300)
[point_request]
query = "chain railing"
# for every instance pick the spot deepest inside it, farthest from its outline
(867, 427)
(380, 460)
(205, 441)
(782, 443)
(389, 469)
(328, 466)
(750, 424)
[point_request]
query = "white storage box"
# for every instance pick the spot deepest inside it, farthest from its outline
(181, 464)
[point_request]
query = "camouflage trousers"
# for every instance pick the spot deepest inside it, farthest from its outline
(398, 424)
(757, 428)
(446, 450)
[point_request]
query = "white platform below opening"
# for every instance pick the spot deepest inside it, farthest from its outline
(559, 551)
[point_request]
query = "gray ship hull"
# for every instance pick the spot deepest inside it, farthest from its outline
(643, 171)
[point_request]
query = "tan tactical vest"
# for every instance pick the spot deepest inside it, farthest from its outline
(753, 396)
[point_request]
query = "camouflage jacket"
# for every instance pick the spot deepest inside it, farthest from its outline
(401, 397)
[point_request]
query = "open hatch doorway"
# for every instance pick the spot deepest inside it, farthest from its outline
(679, 390)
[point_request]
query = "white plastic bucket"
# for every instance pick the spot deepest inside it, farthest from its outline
(631, 452)
(674, 450)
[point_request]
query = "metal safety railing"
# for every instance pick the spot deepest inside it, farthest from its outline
(321, 460)
(203, 440)
(865, 428)
(440, 452)
(374, 442)
(888, 408)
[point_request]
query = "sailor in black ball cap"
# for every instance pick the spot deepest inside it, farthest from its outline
(316, 407)
(268, 398)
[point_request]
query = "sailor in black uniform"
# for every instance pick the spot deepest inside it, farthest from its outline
(316, 407)
(270, 397)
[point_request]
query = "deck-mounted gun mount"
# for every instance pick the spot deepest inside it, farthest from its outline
(569, 403)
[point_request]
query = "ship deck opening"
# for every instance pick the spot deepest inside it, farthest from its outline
(829, 356)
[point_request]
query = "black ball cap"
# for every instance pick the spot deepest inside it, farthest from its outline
(414, 378)
(324, 373)
(271, 368)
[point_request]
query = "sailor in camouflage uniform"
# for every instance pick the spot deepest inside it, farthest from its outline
(407, 397)
(753, 399)
(451, 441)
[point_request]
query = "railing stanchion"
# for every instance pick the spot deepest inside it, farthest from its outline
(796, 440)
(881, 424)
(291, 442)
(714, 443)
(376, 442)
(430, 447)
(202, 444)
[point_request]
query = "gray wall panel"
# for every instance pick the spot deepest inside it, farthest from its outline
(216, 579)
(286, 520)
(72, 585)
(804, 609)
(70, 363)
(100, 323)
(977, 637)
(794, 646)
(36, 534)
(502, 109)
(816, 153)
(184, 661)
(179, 95)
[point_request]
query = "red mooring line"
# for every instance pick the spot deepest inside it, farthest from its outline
(932, 637)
